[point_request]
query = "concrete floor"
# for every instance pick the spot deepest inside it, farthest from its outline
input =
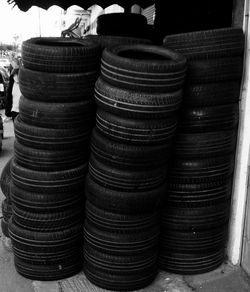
(226, 278)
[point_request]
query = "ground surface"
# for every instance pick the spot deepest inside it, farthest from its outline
(226, 278)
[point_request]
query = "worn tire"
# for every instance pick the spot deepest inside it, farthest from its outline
(215, 70)
(208, 44)
(126, 24)
(50, 139)
(56, 87)
(136, 131)
(49, 160)
(209, 119)
(123, 202)
(48, 182)
(60, 55)
(211, 94)
(57, 115)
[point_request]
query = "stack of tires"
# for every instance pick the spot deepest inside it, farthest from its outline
(5, 182)
(138, 95)
(51, 151)
(196, 211)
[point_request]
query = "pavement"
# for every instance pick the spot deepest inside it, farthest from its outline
(227, 278)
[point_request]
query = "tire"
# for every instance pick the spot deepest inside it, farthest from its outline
(115, 222)
(5, 180)
(56, 87)
(209, 119)
(48, 222)
(210, 144)
(193, 242)
(211, 94)
(127, 156)
(126, 24)
(108, 279)
(45, 244)
(215, 70)
(50, 139)
(49, 272)
(136, 131)
(123, 202)
(45, 202)
(191, 264)
(205, 170)
(48, 182)
(60, 55)
(195, 219)
(108, 41)
(208, 44)
(57, 115)
(122, 244)
(143, 68)
(49, 160)
(123, 179)
(195, 195)
(131, 104)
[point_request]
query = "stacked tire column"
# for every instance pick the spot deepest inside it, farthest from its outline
(196, 213)
(138, 95)
(51, 152)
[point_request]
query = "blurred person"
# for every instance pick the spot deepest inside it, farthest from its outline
(13, 91)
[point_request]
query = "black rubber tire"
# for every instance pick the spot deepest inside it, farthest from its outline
(124, 202)
(210, 144)
(208, 44)
(205, 170)
(45, 244)
(7, 209)
(136, 131)
(5, 227)
(107, 41)
(191, 264)
(211, 94)
(189, 242)
(116, 280)
(57, 87)
(49, 272)
(126, 24)
(5, 180)
(51, 115)
(45, 202)
(209, 119)
(123, 179)
(60, 55)
(131, 104)
(143, 68)
(48, 222)
(207, 37)
(198, 195)
(195, 219)
(215, 70)
(115, 222)
(122, 243)
(49, 160)
(48, 182)
(50, 139)
(128, 156)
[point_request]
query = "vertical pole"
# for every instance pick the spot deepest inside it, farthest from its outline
(240, 183)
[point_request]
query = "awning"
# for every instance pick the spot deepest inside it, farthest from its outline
(24, 5)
